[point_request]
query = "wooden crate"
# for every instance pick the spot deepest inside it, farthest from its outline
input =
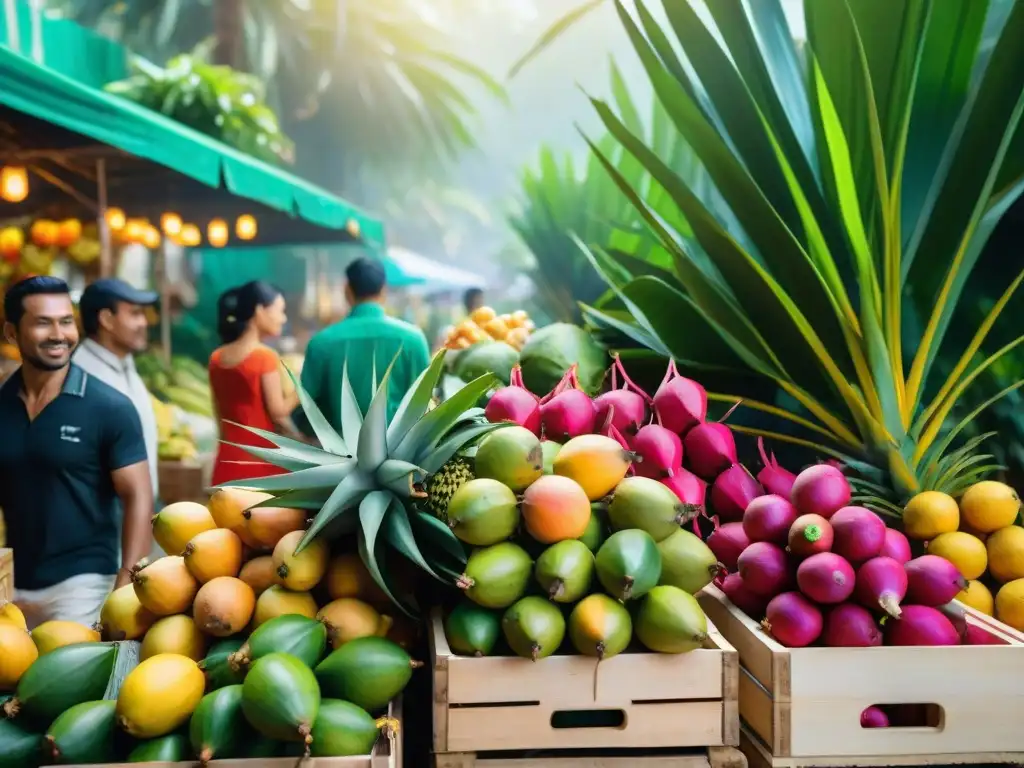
(181, 481)
(684, 704)
(6, 574)
(387, 753)
(802, 706)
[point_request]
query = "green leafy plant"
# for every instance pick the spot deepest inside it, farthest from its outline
(216, 100)
(368, 478)
(865, 173)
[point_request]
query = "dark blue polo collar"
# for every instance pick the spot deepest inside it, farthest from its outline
(74, 383)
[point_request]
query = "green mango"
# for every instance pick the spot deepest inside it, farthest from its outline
(600, 626)
(302, 637)
(597, 527)
(217, 729)
(639, 502)
(86, 733)
(217, 666)
(565, 570)
(497, 576)
(368, 671)
(281, 698)
(61, 679)
(472, 630)
(628, 564)
(534, 627)
(19, 747)
(172, 748)
(483, 512)
(687, 562)
(343, 730)
(671, 621)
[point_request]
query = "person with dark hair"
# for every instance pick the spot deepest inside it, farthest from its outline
(246, 379)
(366, 340)
(72, 449)
(473, 299)
(114, 319)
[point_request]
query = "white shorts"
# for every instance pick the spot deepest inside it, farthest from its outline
(79, 598)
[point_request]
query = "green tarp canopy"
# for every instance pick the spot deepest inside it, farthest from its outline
(65, 126)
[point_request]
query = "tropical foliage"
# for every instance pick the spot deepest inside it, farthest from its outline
(859, 177)
(367, 478)
(216, 100)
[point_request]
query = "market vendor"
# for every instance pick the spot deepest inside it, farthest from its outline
(114, 319)
(72, 448)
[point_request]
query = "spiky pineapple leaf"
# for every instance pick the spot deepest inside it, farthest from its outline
(268, 456)
(455, 442)
(374, 507)
(312, 500)
(416, 401)
(399, 476)
(343, 499)
(293, 449)
(399, 533)
(326, 476)
(329, 439)
(440, 535)
(373, 436)
(429, 430)
(371, 559)
(351, 416)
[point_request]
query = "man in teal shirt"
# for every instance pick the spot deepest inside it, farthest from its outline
(366, 338)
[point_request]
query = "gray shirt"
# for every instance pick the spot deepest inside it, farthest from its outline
(120, 373)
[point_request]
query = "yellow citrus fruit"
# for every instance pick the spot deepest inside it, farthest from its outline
(930, 514)
(1010, 604)
(988, 506)
(1006, 554)
(977, 597)
(964, 551)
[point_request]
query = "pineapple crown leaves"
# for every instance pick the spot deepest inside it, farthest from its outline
(373, 492)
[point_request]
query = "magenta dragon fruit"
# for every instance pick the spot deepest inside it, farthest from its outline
(567, 411)
(515, 403)
(680, 403)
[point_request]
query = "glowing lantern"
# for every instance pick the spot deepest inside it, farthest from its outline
(352, 227)
(134, 230)
(217, 233)
(116, 219)
(13, 183)
(245, 227)
(190, 236)
(68, 232)
(151, 237)
(11, 241)
(170, 223)
(44, 233)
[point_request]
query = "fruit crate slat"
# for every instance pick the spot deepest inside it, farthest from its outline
(181, 481)
(806, 702)
(387, 753)
(507, 703)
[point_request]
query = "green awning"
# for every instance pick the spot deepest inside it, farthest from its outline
(50, 97)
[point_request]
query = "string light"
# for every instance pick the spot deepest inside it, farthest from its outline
(134, 230)
(245, 227)
(190, 236)
(151, 237)
(69, 232)
(13, 183)
(116, 219)
(217, 233)
(170, 223)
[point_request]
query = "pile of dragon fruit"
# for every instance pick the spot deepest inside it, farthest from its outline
(668, 433)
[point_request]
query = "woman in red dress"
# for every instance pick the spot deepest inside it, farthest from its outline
(245, 377)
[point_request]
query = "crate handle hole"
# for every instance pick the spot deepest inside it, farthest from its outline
(588, 718)
(931, 716)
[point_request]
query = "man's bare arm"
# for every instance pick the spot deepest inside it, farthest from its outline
(135, 489)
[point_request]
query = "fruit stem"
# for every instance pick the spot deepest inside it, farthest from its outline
(51, 747)
(535, 651)
(307, 736)
(413, 664)
(627, 587)
(11, 708)
(766, 626)
(630, 384)
(729, 412)
(688, 512)
(761, 450)
(890, 605)
(600, 648)
(557, 589)
(189, 549)
(812, 532)
(670, 373)
(205, 756)
(282, 571)
(464, 582)
(614, 370)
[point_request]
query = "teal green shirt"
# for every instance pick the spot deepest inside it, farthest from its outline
(367, 337)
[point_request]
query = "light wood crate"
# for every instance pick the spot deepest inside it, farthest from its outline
(387, 753)
(6, 574)
(181, 481)
(506, 704)
(802, 706)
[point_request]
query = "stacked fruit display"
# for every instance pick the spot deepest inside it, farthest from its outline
(980, 536)
(545, 567)
(484, 324)
(820, 571)
(247, 650)
(175, 441)
(183, 382)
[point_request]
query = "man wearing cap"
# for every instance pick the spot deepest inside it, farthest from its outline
(114, 320)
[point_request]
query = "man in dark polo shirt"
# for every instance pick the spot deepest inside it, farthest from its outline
(71, 447)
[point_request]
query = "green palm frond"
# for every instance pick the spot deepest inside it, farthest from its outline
(863, 171)
(374, 489)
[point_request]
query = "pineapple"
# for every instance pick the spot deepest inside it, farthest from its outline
(443, 485)
(368, 479)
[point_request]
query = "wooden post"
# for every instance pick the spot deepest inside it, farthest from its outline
(106, 250)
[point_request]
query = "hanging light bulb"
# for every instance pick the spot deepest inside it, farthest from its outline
(190, 236)
(352, 227)
(116, 219)
(217, 233)
(245, 227)
(13, 183)
(170, 223)
(151, 237)
(134, 230)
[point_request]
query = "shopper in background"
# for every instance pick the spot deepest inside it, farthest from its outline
(472, 300)
(246, 379)
(366, 339)
(71, 448)
(113, 316)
